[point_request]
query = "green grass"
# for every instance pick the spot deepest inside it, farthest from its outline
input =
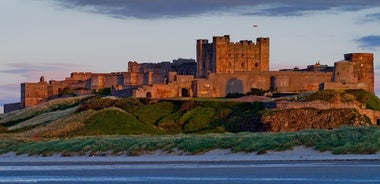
(197, 119)
(345, 140)
(113, 121)
(370, 100)
(152, 113)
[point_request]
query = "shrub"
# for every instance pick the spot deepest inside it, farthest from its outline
(152, 113)
(370, 100)
(234, 95)
(258, 92)
(170, 123)
(102, 92)
(188, 105)
(97, 103)
(197, 119)
(326, 95)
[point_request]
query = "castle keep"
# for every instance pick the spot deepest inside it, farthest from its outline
(223, 56)
(222, 67)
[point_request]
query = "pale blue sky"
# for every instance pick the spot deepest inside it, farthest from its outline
(54, 38)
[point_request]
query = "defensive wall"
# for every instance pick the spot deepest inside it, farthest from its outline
(219, 85)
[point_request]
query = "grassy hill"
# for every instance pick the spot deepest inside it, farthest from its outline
(92, 124)
(93, 115)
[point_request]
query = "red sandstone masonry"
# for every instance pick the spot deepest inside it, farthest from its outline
(371, 114)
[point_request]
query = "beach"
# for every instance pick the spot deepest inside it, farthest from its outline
(299, 153)
(300, 165)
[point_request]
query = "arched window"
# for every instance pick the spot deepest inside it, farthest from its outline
(256, 65)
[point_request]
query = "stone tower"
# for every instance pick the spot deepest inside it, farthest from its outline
(225, 57)
(356, 68)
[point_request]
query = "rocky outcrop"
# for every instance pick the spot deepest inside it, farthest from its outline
(282, 120)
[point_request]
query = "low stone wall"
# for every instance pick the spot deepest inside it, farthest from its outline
(12, 107)
(374, 116)
(314, 104)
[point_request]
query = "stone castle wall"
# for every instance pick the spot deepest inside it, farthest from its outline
(219, 85)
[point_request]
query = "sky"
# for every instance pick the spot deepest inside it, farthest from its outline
(54, 38)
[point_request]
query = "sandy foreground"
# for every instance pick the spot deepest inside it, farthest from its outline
(297, 154)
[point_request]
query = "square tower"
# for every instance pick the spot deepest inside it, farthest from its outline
(225, 57)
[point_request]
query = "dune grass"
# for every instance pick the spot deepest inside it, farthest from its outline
(16, 117)
(345, 140)
(43, 118)
(63, 127)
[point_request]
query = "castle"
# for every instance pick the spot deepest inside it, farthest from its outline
(222, 67)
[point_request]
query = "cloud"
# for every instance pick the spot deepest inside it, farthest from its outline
(28, 70)
(372, 17)
(9, 93)
(370, 41)
(153, 9)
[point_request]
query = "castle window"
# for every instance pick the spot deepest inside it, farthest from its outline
(256, 65)
(242, 65)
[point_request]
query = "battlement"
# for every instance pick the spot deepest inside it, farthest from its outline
(80, 76)
(225, 38)
(245, 42)
(359, 57)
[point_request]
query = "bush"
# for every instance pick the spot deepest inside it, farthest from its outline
(170, 123)
(257, 92)
(152, 113)
(326, 95)
(234, 95)
(197, 119)
(97, 103)
(102, 92)
(370, 100)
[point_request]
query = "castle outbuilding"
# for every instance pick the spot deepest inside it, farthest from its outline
(355, 71)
